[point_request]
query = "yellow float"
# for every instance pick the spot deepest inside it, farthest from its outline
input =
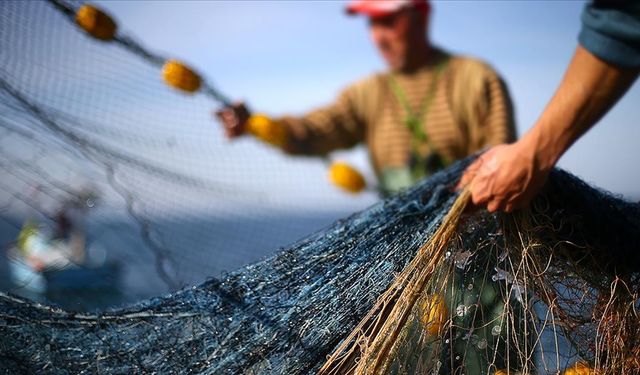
(434, 314)
(95, 22)
(346, 177)
(267, 130)
(180, 76)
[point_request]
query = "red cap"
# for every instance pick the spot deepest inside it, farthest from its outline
(381, 8)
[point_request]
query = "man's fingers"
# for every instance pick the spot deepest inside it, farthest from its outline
(477, 199)
(480, 190)
(495, 205)
(469, 174)
(232, 119)
(492, 207)
(222, 114)
(471, 171)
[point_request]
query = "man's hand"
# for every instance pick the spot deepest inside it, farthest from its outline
(234, 119)
(506, 177)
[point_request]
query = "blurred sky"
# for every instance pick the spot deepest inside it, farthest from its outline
(290, 56)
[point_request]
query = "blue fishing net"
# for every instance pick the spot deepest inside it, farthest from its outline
(287, 314)
(552, 289)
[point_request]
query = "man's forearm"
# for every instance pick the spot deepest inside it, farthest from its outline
(588, 90)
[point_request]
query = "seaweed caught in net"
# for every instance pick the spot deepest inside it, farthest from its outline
(549, 290)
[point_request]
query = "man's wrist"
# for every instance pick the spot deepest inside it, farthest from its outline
(540, 149)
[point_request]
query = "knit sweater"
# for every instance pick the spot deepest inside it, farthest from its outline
(470, 110)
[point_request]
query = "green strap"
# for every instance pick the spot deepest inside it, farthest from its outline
(394, 179)
(414, 120)
(414, 123)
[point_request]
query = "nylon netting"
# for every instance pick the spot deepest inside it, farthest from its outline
(413, 285)
(416, 284)
(77, 114)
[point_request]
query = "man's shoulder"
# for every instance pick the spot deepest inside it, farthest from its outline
(364, 94)
(470, 64)
(368, 82)
(366, 88)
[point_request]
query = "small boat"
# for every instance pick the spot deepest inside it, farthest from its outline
(83, 278)
(61, 281)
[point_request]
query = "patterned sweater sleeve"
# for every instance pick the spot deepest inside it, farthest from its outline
(339, 125)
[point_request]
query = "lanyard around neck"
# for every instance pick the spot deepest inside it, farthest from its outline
(413, 120)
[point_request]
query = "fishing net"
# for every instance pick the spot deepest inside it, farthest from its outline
(414, 285)
(175, 201)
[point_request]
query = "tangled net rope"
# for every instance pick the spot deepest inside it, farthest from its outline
(414, 285)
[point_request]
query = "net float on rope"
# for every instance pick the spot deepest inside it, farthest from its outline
(346, 177)
(180, 76)
(95, 22)
(267, 130)
(434, 314)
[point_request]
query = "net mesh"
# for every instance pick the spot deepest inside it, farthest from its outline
(416, 284)
(179, 203)
(413, 285)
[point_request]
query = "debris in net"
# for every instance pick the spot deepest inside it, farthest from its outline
(518, 291)
(462, 259)
(502, 275)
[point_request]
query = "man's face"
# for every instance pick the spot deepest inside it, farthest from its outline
(395, 34)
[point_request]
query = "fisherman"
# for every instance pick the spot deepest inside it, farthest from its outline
(65, 244)
(69, 234)
(604, 66)
(429, 109)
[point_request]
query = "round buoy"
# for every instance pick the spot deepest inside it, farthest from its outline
(346, 177)
(180, 76)
(267, 130)
(434, 314)
(95, 22)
